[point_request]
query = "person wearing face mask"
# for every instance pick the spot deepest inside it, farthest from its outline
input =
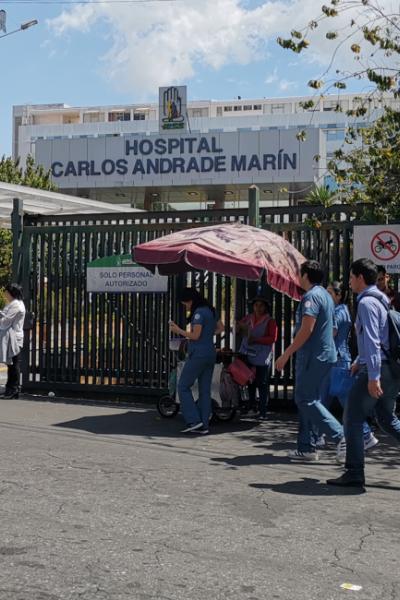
(259, 333)
(199, 365)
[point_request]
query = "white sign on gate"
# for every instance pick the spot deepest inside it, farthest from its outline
(118, 274)
(380, 243)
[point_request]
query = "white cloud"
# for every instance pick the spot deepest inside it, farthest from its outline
(157, 44)
(285, 85)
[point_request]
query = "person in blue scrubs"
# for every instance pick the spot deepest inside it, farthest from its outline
(315, 352)
(200, 362)
(341, 370)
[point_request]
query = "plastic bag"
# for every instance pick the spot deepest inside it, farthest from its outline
(341, 382)
(241, 373)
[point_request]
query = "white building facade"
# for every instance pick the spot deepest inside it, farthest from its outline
(206, 155)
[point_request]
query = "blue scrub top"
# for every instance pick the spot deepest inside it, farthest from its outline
(320, 345)
(343, 326)
(203, 347)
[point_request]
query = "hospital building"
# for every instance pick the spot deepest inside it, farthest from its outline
(180, 154)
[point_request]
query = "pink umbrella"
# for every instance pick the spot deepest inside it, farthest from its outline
(230, 249)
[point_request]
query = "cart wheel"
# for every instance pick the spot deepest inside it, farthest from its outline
(167, 407)
(223, 414)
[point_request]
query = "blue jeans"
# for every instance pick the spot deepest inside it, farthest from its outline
(360, 404)
(313, 416)
(262, 383)
(201, 369)
(326, 398)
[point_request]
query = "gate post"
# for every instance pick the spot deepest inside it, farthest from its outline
(254, 221)
(254, 206)
(17, 226)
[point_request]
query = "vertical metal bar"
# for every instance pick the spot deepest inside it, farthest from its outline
(71, 308)
(42, 323)
(64, 303)
(57, 308)
(28, 298)
(34, 335)
(17, 227)
(87, 332)
(80, 295)
(48, 308)
(101, 341)
(93, 319)
(254, 206)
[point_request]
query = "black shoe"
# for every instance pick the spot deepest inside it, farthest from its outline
(348, 480)
(9, 395)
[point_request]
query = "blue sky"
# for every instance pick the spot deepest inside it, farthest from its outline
(120, 53)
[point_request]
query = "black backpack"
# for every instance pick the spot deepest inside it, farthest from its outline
(393, 354)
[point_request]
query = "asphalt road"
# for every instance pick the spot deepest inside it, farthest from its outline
(108, 503)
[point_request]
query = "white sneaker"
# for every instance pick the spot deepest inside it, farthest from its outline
(370, 442)
(341, 451)
(303, 456)
(191, 428)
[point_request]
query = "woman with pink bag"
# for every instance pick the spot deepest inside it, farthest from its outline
(259, 333)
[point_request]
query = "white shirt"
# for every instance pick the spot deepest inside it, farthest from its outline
(13, 316)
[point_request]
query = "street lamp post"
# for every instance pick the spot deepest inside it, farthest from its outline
(21, 28)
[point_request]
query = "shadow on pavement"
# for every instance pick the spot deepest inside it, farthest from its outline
(145, 424)
(307, 487)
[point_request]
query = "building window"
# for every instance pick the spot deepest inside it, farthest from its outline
(119, 116)
(219, 111)
(237, 108)
(277, 109)
(335, 135)
(92, 117)
(247, 107)
(257, 106)
(138, 116)
(227, 108)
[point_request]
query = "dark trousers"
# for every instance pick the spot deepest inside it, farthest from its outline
(361, 405)
(14, 373)
(261, 383)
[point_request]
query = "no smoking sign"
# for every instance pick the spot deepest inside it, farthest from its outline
(385, 245)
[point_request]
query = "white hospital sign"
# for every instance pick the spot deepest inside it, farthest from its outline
(116, 274)
(380, 243)
(179, 158)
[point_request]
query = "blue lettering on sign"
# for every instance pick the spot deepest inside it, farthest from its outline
(160, 146)
(178, 165)
(220, 164)
(192, 165)
(108, 167)
(138, 167)
(55, 169)
(93, 171)
(70, 169)
(175, 164)
(122, 166)
(165, 165)
(238, 163)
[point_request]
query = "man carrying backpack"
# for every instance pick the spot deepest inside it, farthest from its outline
(376, 382)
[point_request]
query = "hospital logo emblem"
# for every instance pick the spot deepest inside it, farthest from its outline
(172, 108)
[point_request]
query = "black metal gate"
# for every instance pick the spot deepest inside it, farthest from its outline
(118, 343)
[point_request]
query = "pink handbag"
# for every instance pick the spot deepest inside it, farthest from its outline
(240, 372)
